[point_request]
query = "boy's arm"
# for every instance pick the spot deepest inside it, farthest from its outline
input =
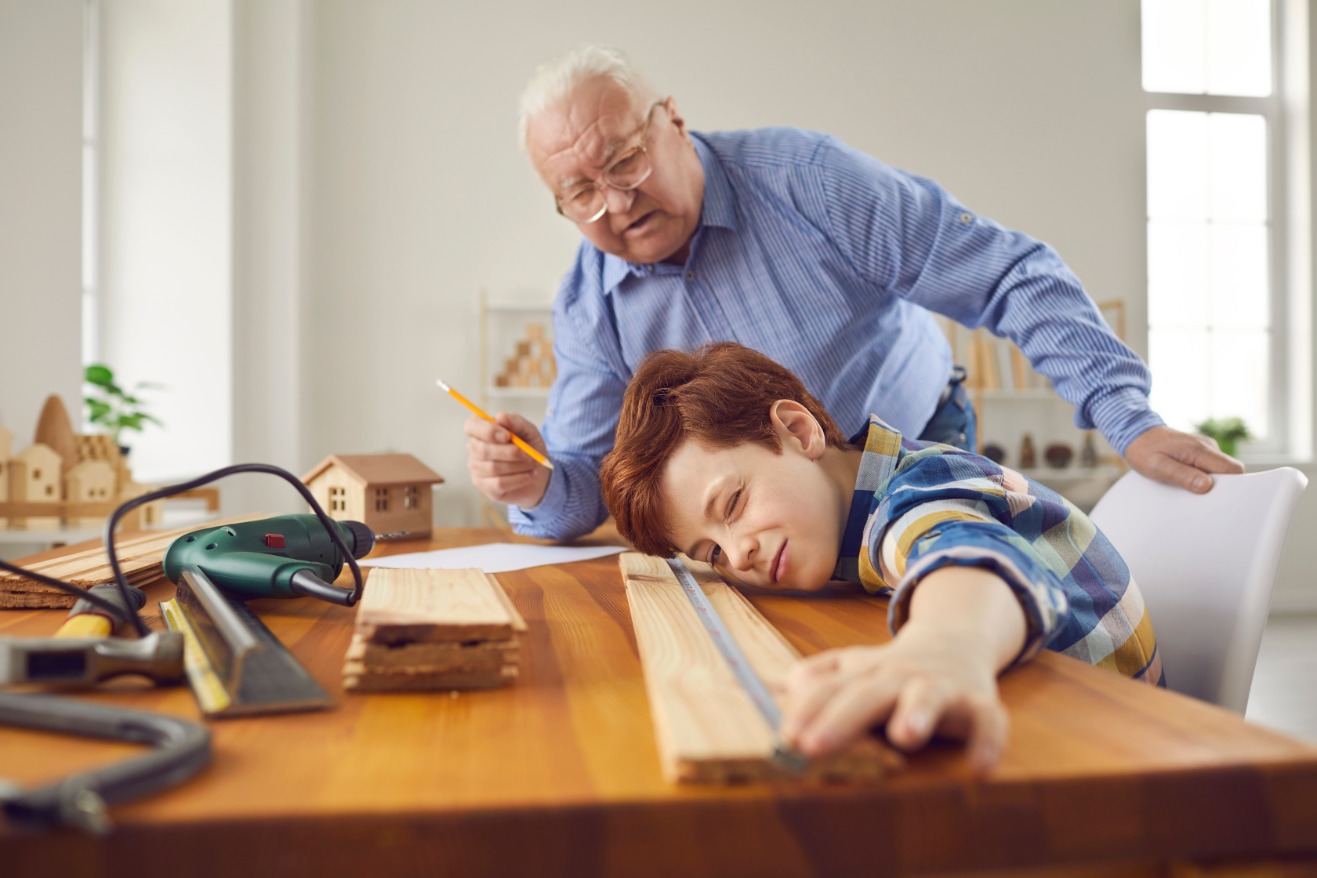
(939, 674)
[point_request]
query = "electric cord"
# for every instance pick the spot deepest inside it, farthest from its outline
(135, 618)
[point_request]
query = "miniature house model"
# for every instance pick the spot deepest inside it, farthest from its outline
(67, 479)
(389, 493)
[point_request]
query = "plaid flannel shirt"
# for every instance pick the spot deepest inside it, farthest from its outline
(921, 506)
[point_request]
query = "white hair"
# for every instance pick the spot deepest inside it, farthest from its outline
(554, 81)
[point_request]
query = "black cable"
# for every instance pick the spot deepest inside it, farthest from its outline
(124, 508)
(223, 472)
(100, 602)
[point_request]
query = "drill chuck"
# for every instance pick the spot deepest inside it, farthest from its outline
(359, 537)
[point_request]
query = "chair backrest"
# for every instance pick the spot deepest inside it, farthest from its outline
(1206, 565)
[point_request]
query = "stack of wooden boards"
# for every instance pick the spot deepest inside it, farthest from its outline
(139, 559)
(432, 629)
(707, 726)
(533, 365)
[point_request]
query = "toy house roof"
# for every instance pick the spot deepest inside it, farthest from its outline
(378, 469)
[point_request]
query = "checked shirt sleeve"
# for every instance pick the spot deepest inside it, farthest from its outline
(942, 508)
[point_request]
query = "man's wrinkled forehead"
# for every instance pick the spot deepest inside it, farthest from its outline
(581, 134)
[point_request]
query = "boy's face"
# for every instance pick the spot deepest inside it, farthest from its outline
(763, 519)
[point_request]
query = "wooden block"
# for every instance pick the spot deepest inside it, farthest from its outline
(431, 657)
(428, 682)
(435, 606)
(708, 729)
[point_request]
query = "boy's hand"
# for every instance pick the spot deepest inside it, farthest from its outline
(938, 675)
(500, 470)
(919, 684)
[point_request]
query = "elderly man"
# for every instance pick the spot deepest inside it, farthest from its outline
(796, 245)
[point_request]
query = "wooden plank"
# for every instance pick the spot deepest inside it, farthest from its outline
(428, 606)
(433, 629)
(708, 728)
(139, 559)
(429, 682)
(482, 655)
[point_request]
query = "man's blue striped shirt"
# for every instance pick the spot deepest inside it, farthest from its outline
(828, 261)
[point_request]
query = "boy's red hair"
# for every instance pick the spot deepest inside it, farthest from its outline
(719, 396)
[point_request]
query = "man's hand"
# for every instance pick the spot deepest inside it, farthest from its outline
(500, 470)
(919, 684)
(1181, 459)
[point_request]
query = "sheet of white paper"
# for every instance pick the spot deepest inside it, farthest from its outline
(493, 557)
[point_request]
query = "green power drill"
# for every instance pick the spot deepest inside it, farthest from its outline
(286, 556)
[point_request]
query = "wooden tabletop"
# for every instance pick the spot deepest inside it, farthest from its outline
(559, 775)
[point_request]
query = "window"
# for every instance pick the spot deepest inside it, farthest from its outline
(381, 499)
(410, 497)
(338, 499)
(1218, 218)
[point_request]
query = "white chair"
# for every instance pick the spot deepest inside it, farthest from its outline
(1206, 564)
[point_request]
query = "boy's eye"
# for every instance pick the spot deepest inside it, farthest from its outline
(715, 554)
(731, 505)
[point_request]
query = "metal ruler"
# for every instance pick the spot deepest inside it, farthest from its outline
(783, 756)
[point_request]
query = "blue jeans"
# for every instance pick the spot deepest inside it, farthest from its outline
(953, 421)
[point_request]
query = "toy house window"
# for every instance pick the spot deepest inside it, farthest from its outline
(381, 499)
(410, 497)
(338, 500)
(36, 474)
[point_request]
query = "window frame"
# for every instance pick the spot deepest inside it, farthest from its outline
(1275, 110)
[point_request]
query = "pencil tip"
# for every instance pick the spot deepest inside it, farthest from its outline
(442, 385)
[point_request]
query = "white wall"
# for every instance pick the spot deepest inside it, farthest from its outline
(40, 210)
(1029, 110)
(166, 129)
(368, 154)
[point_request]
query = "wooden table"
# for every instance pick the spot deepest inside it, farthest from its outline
(558, 775)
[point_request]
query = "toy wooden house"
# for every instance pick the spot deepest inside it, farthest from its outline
(34, 477)
(67, 479)
(389, 493)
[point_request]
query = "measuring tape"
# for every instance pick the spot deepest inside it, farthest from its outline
(783, 756)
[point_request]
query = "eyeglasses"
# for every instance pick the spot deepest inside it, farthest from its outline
(586, 202)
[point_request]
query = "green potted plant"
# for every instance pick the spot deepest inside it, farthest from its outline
(114, 409)
(1228, 432)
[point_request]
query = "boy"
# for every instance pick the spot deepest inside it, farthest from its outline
(725, 456)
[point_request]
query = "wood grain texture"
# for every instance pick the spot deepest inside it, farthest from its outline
(432, 629)
(558, 776)
(87, 564)
(708, 727)
(423, 606)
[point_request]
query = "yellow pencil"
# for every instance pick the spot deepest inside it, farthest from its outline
(479, 412)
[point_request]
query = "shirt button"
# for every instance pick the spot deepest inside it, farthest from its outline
(966, 218)
(690, 275)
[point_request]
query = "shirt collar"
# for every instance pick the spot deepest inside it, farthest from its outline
(718, 211)
(882, 451)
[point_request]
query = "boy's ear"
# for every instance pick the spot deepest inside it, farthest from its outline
(796, 427)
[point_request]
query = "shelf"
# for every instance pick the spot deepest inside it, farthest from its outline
(1071, 474)
(520, 307)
